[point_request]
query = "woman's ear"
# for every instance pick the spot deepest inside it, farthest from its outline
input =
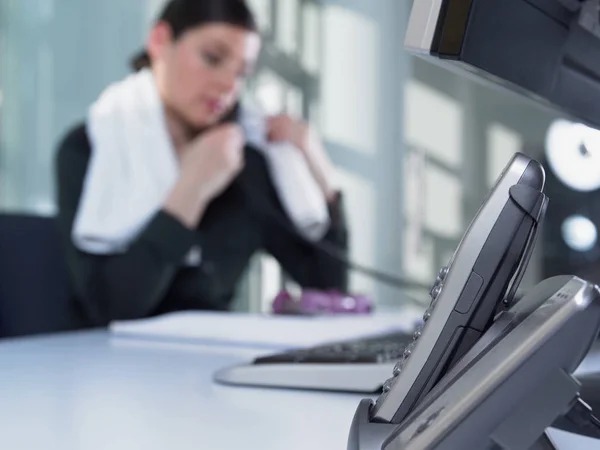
(159, 40)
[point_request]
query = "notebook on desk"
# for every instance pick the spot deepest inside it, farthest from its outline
(263, 330)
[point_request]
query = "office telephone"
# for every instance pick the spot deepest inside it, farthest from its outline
(480, 280)
(468, 292)
(512, 385)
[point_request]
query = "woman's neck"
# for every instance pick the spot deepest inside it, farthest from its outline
(181, 134)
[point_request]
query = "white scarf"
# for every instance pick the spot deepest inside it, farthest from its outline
(133, 167)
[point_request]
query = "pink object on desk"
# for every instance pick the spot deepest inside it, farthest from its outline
(313, 302)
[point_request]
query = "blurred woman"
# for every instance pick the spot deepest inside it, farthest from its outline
(165, 193)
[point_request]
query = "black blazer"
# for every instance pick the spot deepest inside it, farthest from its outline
(148, 279)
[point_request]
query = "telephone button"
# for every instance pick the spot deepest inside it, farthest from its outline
(418, 333)
(388, 385)
(399, 367)
(443, 273)
(427, 314)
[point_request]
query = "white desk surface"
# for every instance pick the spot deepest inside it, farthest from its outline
(87, 391)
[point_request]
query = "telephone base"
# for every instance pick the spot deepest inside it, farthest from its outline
(367, 435)
(525, 427)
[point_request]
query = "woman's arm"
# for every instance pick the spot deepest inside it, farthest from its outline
(308, 265)
(124, 286)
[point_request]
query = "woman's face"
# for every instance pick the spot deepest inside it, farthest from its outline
(200, 74)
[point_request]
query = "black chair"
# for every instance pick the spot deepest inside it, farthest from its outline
(34, 282)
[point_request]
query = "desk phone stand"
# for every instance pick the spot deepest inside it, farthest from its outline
(528, 423)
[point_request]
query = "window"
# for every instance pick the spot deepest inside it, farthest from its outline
(270, 92)
(442, 137)
(502, 144)
(433, 190)
(361, 202)
(262, 13)
(288, 12)
(311, 37)
(418, 248)
(350, 94)
(443, 202)
(294, 102)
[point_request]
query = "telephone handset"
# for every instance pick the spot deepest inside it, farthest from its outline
(469, 292)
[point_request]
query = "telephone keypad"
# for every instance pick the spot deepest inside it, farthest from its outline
(443, 273)
(398, 367)
(427, 315)
(418, 333)
(435, 292)
(387, 386)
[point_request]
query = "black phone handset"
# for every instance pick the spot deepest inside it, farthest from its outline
(470, 291)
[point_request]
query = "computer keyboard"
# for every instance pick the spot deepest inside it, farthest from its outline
(356, 365)
(377, 349)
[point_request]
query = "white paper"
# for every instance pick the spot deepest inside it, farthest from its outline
(264, 330)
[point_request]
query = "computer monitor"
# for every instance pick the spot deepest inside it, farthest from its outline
(547, 50)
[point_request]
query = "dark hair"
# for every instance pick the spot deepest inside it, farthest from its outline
(183, 15)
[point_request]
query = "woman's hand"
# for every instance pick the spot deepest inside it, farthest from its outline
(303, 136)
(208, 166)
(214, 159)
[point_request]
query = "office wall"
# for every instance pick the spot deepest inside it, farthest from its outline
(57, 55)
(416, 146)
(495, 123)
(364, 70)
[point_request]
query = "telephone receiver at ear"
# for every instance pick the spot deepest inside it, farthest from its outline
(252, 121)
